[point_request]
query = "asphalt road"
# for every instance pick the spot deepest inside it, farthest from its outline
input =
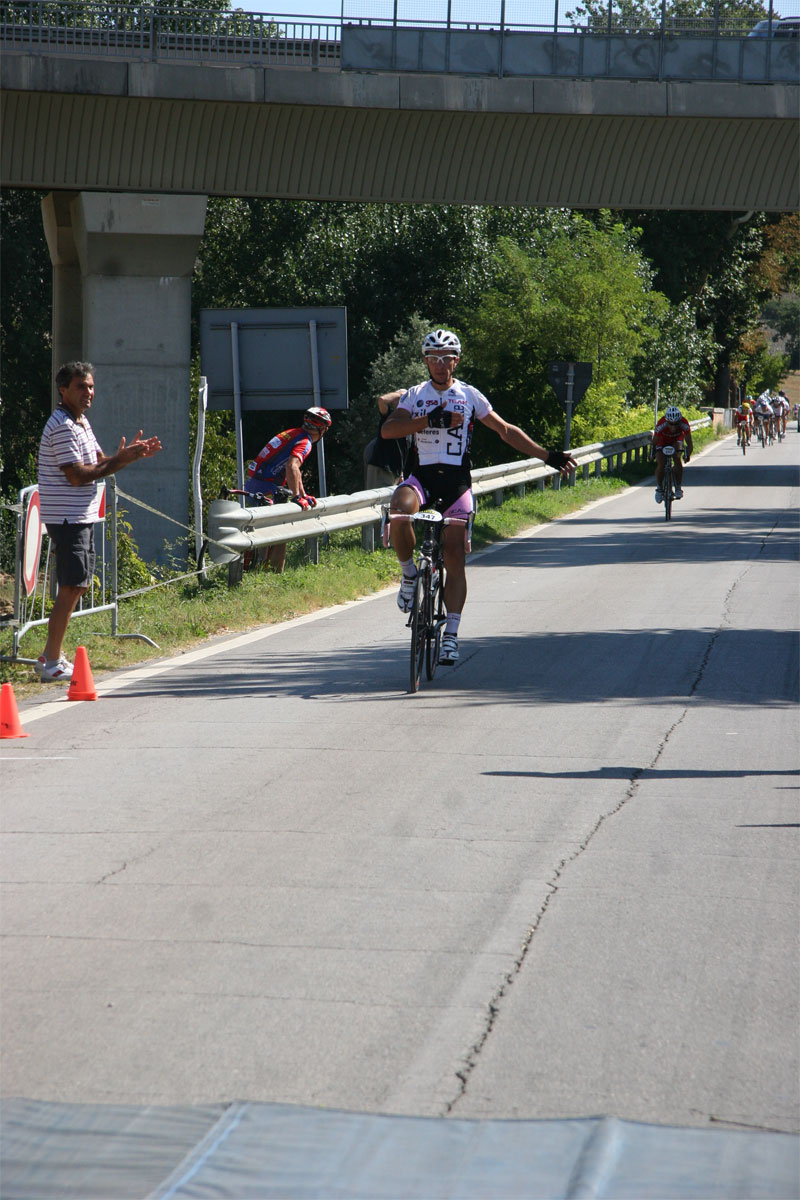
(559, 881)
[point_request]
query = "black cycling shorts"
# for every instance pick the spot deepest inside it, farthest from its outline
(446, 488)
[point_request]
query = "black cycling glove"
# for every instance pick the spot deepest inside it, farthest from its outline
(557, 459)
(440, 418)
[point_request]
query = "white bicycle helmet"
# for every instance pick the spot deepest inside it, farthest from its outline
(441, 341)
(673, 414)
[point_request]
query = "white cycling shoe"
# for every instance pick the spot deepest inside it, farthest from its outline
(405, 597)
(448, 651)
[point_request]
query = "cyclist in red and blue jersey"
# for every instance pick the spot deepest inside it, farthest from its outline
(278, 466)
(672, 430)
(440, 414)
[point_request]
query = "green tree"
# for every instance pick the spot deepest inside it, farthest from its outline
(783, 315)
(584, 295)
(730, 16)
(25, 338)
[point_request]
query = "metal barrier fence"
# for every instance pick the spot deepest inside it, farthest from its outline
(498, 37)
(234, 530)
(34, 582)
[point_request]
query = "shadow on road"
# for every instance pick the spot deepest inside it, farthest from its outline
(642, 775)
(660, 666)
(710, 535)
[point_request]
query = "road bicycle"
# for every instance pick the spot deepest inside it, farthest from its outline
(668, 482)
(761, 430)
(427, 617)
(252, 559)
(743, 434)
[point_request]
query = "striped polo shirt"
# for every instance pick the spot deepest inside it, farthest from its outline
(66, 441)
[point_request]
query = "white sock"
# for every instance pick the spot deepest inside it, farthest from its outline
(409, 570)
(453, 622)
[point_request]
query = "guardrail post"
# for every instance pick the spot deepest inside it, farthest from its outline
(368, 538)
(111, 493)
(556, 483)
(520, 490)
(598, 467)
(497, 497)
(312, 550)
(585, 472)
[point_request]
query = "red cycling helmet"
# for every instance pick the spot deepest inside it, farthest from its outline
(317, 418)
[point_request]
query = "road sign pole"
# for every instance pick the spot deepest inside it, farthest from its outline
(655, 410)
(237, 408)
(312, 333)
(570, 386)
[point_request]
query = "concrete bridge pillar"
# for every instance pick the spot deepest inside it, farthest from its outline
(67, 320)
(123, 302)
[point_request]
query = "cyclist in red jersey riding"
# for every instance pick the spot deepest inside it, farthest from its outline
(672, 430)
(278, 465)
(743, 416)
(440, 414)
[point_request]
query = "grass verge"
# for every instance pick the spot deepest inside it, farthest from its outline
(180, 616)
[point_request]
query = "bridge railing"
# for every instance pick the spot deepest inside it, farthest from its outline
(479, 37)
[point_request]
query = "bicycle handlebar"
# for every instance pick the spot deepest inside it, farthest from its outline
(225, 492)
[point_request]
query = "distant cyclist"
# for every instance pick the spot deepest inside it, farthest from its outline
(780, 406)
(764, 412)
(278, 465)
(743, 420)
(440, 413)
(672, 430)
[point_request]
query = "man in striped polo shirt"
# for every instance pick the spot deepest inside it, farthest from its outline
(70, 464)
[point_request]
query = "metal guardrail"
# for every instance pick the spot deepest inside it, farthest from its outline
(235, 530)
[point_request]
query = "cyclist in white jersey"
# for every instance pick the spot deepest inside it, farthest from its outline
(764, 410)
(780, 406)
(440, 414)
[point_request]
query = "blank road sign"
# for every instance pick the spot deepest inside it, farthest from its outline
(276, 363)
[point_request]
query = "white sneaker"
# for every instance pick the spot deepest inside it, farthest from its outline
(448, 652)
(405, 597)
(41, 662)
(58, 672)
(659, 495)
(678, 493)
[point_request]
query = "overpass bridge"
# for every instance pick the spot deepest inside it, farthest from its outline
(130, 117)
(219, 104)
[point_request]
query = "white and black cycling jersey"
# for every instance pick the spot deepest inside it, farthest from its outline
(445, 445)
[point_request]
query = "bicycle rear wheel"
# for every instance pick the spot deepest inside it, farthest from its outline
(436, 617)
(668, 493)
(418, 628)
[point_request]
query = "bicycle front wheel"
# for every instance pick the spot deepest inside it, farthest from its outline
(418, 628)
(435, 623)
(668, 494)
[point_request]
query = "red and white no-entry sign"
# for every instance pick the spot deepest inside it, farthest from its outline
(32, 546)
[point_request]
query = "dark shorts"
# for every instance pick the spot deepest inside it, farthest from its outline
(449, 489)
(73, 546)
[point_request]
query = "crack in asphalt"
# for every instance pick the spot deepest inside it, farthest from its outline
(493, 1010)
(128, 863)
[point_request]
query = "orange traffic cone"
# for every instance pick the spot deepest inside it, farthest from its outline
(81, 686)
(9, 715)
